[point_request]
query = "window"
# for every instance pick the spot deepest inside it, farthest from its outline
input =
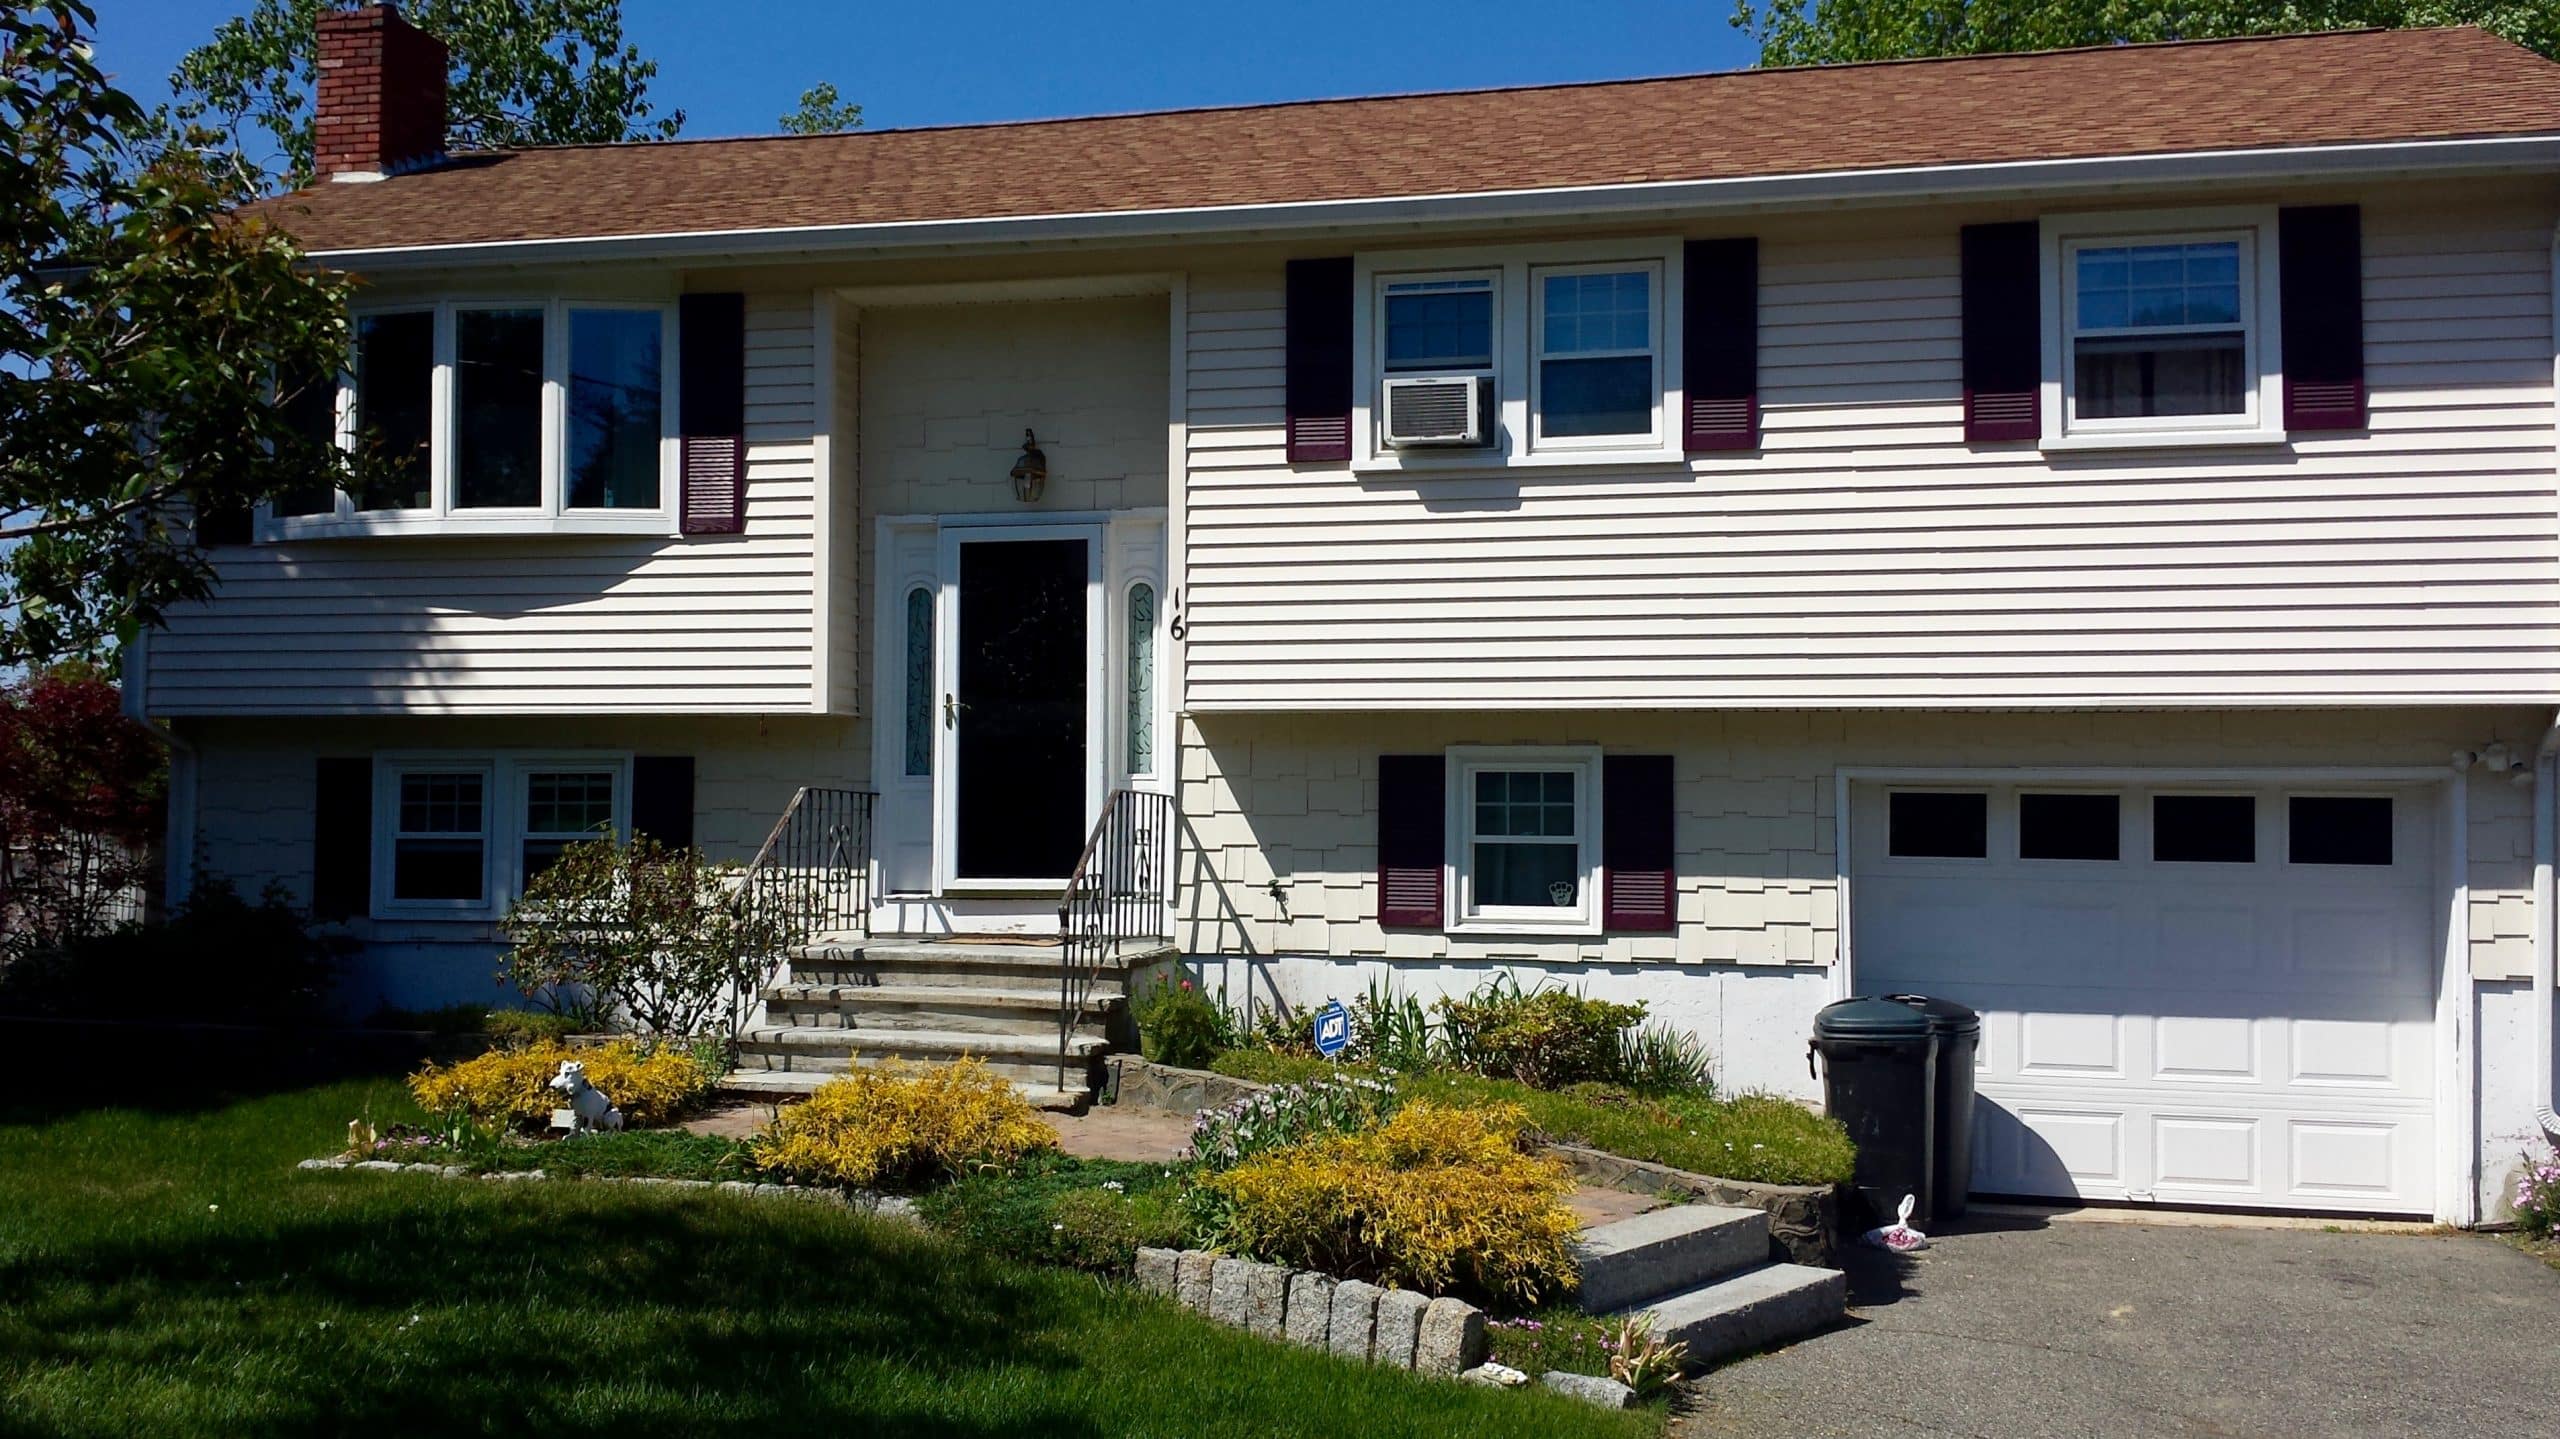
(919, 717)
(2068, 826)
(1568, 341)
(309, 402)
(2161, 328)
(440, 839)
(2339, 829)
(1528, 829)
(2204, 828)
(562, 807)
(1142, 679)
(1933, 824)
(535, 417)
(1597, 373)
(458, 836)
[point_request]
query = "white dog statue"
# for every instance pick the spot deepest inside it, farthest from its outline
(588, 1106)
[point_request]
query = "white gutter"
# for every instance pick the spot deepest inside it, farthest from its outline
(1891, 184)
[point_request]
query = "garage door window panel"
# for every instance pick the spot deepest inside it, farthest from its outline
(1938, 824)
(2070, 827)
(2204, 828)
(2339, 829)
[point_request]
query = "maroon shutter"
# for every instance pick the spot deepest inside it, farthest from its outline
(2003, 349)
(1319, 360)
(342, 839)
(662, 799)
(1413, 818)
(1720, 345)
(1639, 886)
(712, 394)
(2320, 264)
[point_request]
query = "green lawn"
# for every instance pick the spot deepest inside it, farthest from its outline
(1763, 1138)
(167, 1273)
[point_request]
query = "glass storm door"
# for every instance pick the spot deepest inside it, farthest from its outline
(1018, 707)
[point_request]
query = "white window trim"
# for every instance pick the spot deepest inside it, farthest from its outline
(1514, 361)
(2261, 314)
(1458, 884)
(1539, 441)
(553, 515)
(503, 830)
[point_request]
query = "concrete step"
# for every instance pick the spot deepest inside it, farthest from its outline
(1749, 1311)
(1031, 1058)
(913, 964)
(927, 1006)
(1667, 1251)
(780, 1084)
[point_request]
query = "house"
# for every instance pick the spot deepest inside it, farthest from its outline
(2075, 533)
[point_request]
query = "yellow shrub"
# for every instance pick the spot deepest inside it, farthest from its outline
(512, 1085)
(1436, 1199)
(900, 1126)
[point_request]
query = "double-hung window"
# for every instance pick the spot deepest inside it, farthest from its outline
(458, 836)
(562, 806)
(528, 416)
(2162, 330)
(1527, 824)
(1599, 373)
(439, 851)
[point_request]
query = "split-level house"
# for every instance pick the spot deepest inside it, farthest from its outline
(2075, 533)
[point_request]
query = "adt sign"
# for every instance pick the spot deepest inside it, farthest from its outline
(1333, 1029)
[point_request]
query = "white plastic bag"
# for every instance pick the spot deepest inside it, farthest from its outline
(1899, 1236)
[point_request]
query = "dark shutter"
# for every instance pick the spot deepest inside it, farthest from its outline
(1720, 345)
(342, 839)
(222, 522)
(2003, 350)
(1412, 820)
(1319, 360)
(712, 393)
(662, 799)
(2320, 264)
(1639, 889)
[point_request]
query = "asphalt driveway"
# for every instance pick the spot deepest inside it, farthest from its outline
(2018, 1328)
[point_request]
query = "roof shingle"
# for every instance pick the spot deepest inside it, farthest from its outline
(2338, 88)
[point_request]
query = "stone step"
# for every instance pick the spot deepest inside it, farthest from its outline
(948, 1007)
(1749, 1311)
(1028, 1058)
(1667, 1251)
(1019, 966)
(780, 1084)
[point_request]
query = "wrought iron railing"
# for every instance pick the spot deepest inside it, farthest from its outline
(814, 872)
(1116, 898)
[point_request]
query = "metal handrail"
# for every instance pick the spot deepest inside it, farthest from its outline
(1116, 895)
(815, 866)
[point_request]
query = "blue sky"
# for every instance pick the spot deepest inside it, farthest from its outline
(734, 66)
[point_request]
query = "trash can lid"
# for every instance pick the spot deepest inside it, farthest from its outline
(1945, 1015)
(1869, 1018)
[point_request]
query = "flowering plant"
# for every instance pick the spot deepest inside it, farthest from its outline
(1289, 1114)
(2538, 1196)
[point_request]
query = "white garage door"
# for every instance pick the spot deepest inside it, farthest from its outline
(2189, 995)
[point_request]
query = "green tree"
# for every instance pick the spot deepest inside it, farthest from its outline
(524, 72)
(1827, 32)
(822, 112)
(144, 327)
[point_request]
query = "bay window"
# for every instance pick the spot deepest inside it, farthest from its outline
(508, 416)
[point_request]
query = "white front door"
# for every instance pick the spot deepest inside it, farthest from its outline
(2211, 996)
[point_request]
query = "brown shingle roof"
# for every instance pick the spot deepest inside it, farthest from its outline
(2344, 87)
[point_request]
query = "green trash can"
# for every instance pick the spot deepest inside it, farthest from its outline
(1879, 1079)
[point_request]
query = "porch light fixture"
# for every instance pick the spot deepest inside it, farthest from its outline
(1031, 472)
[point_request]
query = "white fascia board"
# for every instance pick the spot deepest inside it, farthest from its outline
(1664, 199)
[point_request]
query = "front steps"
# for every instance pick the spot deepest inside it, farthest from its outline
(854, 1002)
(1701, 1272)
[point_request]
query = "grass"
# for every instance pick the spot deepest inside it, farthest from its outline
(663, 1153)
(165, 1272)
(1763, 1138)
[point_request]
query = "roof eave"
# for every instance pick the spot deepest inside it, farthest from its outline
(1689, 198)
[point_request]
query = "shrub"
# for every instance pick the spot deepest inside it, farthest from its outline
(259, 963)
(1288, 1114)
(1657, 1059)
(1545, 1038)
(1085, 1214)
(1391, 1029)
(511, 1086)
(1180, 1026)
(654, 938)
(1436, 1199)
(904, 1127)
(518, 1028)
(2538, 1196)
(447, 1019)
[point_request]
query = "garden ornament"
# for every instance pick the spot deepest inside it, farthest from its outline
(588, 1106)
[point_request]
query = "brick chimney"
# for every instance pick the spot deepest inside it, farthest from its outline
(380, 109)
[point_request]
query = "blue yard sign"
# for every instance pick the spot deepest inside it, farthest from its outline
(1333, 1029)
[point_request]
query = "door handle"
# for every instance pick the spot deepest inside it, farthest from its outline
(951, 708)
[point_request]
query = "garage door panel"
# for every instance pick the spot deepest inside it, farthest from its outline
(2232, 1034)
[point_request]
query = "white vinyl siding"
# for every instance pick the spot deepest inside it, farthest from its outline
(1867, 556)
(453, 624)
